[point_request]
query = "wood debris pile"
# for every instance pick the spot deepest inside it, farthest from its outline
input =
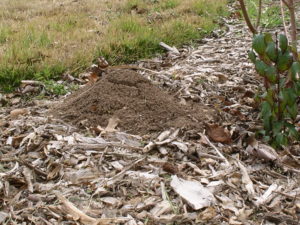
(53, 173)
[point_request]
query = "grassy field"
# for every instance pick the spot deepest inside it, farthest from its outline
(40, 39)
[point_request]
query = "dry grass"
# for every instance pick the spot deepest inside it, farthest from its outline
(40, 39)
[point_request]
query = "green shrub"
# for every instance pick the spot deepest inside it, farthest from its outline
(275, 63)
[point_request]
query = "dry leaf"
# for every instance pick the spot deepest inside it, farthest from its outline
(263, 151)
(170, 168)
(218, 134)
(161, 208)
(93, 77)
(246, 180)
(111, 126)
(18, 112)
(54, 170)
(208, 214)
(111, 201)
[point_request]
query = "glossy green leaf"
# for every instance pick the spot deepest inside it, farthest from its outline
(269, 96)
(267, 138)
(293, 111)
(259, 44)
(272, 51)
(292, 131)
(284, 61)
(268, 38)
(283, 42)
(295, 69)
(266, 114)
(289, 96)
(281, 139)
(277, 126)
(271, 74)
(252, 56)
(261, 67)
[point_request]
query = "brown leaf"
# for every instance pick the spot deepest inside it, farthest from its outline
(93, 78)
(16, 141)
(170, 168)
(54, 171)
(208, 214)
(17, 112)
(218, 134)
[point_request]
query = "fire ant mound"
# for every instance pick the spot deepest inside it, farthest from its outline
(141, 107)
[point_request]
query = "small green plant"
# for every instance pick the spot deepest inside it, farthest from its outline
(274, 61)
(55, 88)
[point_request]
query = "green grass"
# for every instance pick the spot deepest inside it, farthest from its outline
(41, 39)
(271, 13)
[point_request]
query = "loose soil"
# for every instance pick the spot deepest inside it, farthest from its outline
(141, 106)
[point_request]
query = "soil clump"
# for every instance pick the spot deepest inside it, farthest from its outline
(142, 107)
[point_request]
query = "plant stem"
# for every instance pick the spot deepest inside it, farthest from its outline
(293, 29)
(291, 6)
(278, 83)
(259, 14)
(283, 19)
(246, 16)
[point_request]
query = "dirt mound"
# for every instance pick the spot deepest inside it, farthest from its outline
(141, 106)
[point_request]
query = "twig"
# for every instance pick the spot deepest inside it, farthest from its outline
(204, 155)
(283, 19)
(246, 16)
(102, 156)
(293, 29)
(290, 5)
(286, 3)
(259, 13)
(112, 180)
(37, 170)
(287, 195)
(126, 169)
(101, 146)
(215, 148)
(169, 48)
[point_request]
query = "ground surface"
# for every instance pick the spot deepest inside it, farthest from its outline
(55, 173)
(141, 107)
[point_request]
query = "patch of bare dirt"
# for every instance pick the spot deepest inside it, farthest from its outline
(141, 106)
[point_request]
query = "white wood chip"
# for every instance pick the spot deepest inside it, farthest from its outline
(193, 193)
